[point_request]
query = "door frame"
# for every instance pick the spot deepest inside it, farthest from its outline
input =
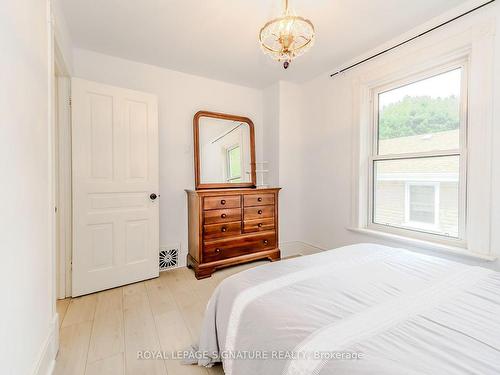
(62, 185)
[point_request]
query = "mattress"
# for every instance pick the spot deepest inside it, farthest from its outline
(360, 309)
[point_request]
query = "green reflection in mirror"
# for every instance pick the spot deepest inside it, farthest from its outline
(234, 164)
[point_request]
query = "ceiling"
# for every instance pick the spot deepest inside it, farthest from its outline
(218, 38)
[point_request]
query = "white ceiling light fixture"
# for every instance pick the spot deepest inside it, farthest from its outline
(287, 37)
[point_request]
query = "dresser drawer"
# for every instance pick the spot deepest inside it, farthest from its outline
(258, 199)
(224, 249)
(258, 212)
(214, 203)
(221, 216)
(258, 225)
(215, 231)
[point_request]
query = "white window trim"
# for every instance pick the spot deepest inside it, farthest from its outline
(477, 47)
(424, 232)
(418, 224)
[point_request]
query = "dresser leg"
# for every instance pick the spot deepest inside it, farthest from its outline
(203, 273)
(275, 256)
(199, 272)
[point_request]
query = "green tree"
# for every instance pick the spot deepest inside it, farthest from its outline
(416, 115)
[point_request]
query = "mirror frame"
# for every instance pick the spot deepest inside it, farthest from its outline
(196, 133)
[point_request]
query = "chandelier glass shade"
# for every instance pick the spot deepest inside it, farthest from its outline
(286, 37)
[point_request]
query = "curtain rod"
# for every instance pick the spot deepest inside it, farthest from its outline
(411, 39)
(226, 133)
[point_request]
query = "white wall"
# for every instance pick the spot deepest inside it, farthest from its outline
(62, 35)
(282, 150)
(26, 276)
(290, 155)
(327, 142)
(271, 119)
(495, 176)
(180, 96)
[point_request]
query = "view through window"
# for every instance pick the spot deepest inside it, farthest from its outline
(417, 155)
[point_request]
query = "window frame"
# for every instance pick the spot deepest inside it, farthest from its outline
(461, 152)
(419, 224)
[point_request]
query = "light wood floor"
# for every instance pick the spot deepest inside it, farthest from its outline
(101, 333)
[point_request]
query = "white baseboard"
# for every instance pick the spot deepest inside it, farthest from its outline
(295, 248)
(182, 260)
(47, 357)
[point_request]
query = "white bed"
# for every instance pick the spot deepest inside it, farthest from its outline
(404, 313)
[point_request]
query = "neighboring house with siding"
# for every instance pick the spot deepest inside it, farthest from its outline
(419, 193)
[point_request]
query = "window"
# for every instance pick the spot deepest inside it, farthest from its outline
(417, 164)
(422, 204)
(233, 157)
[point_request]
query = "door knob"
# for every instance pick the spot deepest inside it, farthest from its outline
(153, 196)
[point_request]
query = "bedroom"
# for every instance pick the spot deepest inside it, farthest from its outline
(349, 187)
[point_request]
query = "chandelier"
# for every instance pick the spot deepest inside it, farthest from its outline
(286, 37)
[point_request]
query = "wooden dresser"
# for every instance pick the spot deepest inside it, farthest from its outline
(231, 226)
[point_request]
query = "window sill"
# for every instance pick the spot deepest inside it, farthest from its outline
(422, 244)
(419, 226)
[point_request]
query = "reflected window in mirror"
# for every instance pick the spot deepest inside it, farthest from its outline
(234, 163)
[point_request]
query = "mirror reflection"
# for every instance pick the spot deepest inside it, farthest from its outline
(224, 149)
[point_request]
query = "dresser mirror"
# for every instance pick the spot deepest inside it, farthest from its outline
(224, 151)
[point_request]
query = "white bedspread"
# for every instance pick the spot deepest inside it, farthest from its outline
(404, 313)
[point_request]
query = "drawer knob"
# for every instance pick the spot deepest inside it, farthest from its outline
(259, 199)
(259, 212)
(259, 225)
(266, 242)
(223, 229)
(217, 251)
(223, 216)
(223, 201)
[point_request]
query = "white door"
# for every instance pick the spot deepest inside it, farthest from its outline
(115, 177)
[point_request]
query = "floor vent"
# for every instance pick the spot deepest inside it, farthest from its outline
(169, 258)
